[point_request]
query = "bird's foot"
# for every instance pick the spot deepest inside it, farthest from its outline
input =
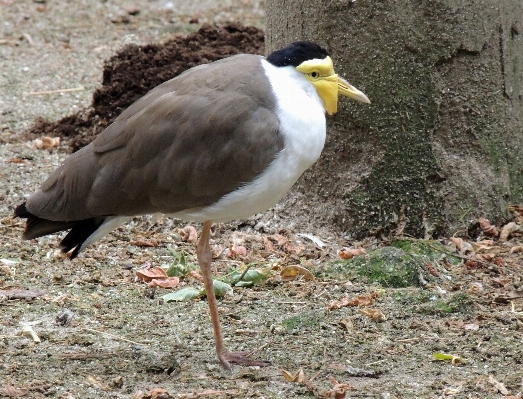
(227, 357)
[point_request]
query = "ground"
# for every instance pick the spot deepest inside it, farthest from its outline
(375, 322)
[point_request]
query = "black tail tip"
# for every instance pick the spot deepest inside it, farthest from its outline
(22, 212)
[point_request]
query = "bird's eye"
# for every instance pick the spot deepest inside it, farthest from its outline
(315, 74)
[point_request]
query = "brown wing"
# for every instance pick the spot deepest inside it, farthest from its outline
(185, 144)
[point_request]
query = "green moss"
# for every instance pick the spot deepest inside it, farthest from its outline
(458, 303)
(301, 321)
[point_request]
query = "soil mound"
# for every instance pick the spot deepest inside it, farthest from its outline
(135, 70)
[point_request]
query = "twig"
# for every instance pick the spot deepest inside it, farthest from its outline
(243, 274)
(35, 93)
(112, 336)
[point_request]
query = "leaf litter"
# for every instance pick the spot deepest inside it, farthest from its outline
(99, 286)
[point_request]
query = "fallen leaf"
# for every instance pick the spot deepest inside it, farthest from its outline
(196, 275)
(267, 244)
(498, 385)
(28, 330)
(443, 356)
(150, 274)
(477, 247)
(470, 326)
(183, 295)
(280, 240)
(289, 273)
(157, 277)
(16, 160)
(506, 298)
(97, 383)
(351, 253)
(517, 248)
(12, 391)
(220, 288)
(316, 240)
(508, 229)
(236, 251)
(155, 393)
(488, 228)
(374, 314)
(347, 323)
(299, 376)
(517, 211)
(168, 282)
(188, 234)
(432, 270)
(461, 245)
(475, 288)
(360, 300)
(45, 143)
(144, 243)
(4, 269)
(338, 391)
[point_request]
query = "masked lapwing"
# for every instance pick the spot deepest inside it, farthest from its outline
(219, 142)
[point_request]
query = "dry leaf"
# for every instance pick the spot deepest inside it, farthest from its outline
(267, 244)
(144, 243)
(97, 383)
(280, 240)
(236, 251)
(150, 274)
(196, 274)
(188, 234)
(477, 247)
(488, 228)
(157, 277)
(294, 249)
(508, 229)
(498, 385)
(16, 160)
(11, 391)
(461, 245)
(46, 142)
(338, 391)
(351, 253)
(289, 273)
(4, 269)
(517, 211)
(432, 270)
(374, 314)
(360, 300)
(347, 323)
(470, 326)
(154, 393)
(299, 376)
(475, 288)
(517, 248)
(168, 282)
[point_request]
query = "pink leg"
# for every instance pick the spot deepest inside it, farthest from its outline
(203, 253)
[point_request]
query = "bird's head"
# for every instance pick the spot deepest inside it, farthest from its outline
(316, 65)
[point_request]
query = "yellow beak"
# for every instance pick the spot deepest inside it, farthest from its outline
(346, 89)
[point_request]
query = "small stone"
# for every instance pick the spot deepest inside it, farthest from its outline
(132, 9)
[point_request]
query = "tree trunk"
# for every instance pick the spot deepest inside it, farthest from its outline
(442, 142)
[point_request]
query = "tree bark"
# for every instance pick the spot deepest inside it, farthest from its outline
(442, 142)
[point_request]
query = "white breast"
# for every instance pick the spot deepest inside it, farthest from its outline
(303, 126)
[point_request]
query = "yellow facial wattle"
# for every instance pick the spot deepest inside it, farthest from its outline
(320, 72)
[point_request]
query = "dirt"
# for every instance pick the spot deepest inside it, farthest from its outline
(136, 69)
(103, 334)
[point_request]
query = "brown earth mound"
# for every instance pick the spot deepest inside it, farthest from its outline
(137, 69)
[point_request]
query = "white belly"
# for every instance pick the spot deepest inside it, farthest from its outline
(302, 123)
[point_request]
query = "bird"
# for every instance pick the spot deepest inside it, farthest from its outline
(220, 142)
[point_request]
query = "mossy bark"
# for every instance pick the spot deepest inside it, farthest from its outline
(442, 142)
